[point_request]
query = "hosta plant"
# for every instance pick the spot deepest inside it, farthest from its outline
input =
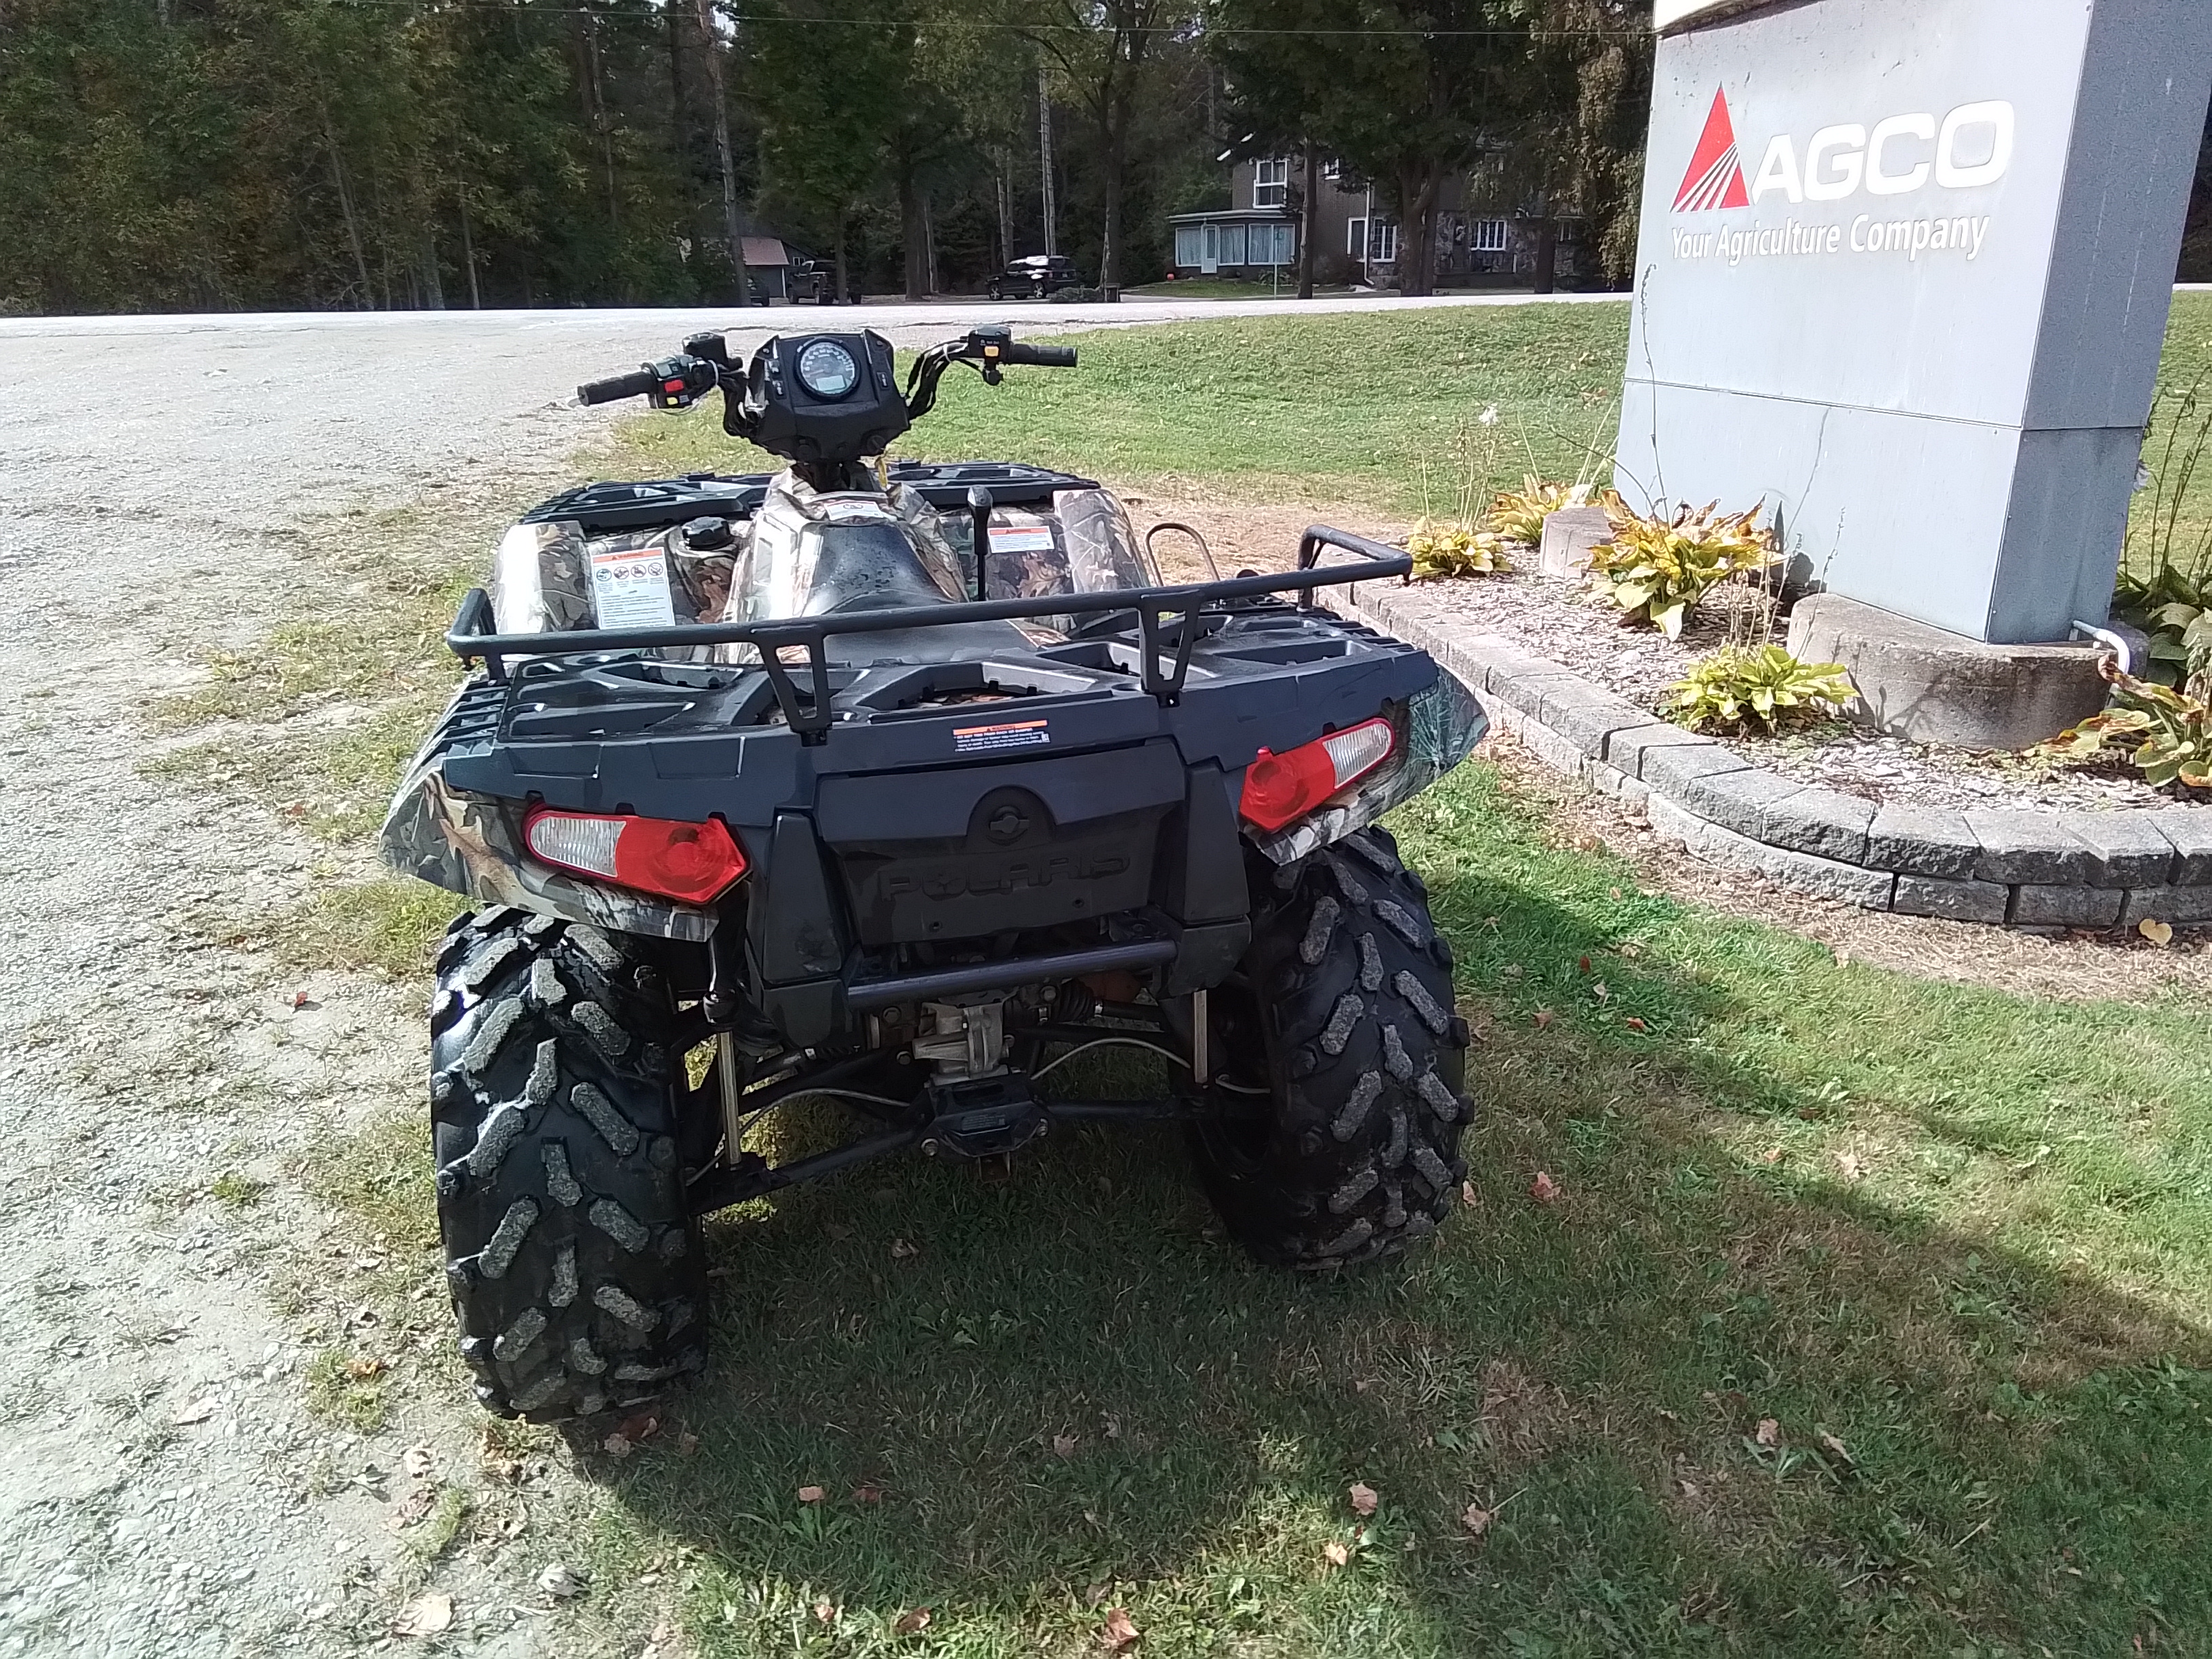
(1518, 516)
(1440, 553)
(1757, 690)
(2174, 608)
(1655, 570)
(2166, 734)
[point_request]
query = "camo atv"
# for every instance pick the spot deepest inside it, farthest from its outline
(897, 786)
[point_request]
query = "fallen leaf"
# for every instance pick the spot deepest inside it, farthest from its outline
(197, 1412)
(1467, 1194)
(301, 999)
(615, 1445)
(418, 1461)
(1852, 1164)
(1363, 1499)
(363, 1366)
(1362, 1384)
(1583, 965)
(563, 1580)
(2157, 931)
(913, 1621)
(638, 1429)
(426, 1615)
(1117, 1632)
(411, 1509)
(1063, 1445)
(1337, 1554)
(1599, 991)
(1628, 947)
(686, 1443)
(1769, 1433)
(1477, 1519)
(1113, 1426)
(1543, 1017)
(1771, 1155)
(1830, 1444)
(1635, 1025)
(901, 1249)
(1544, 1189)
(825, 1613)
(1097, 1593)
(811, 1494)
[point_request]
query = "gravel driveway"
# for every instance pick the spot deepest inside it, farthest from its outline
(162, 1488)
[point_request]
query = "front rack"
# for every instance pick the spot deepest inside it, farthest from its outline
(1167, 620)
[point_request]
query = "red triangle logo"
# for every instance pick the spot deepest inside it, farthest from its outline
(1715, 176)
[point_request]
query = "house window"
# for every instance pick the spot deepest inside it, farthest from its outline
(1232, 245)
(1273, 244)
(1355, 238)
(1383, 241)
(1570, 232)
(1187, 245)
(1270, 178)
(1490, 235)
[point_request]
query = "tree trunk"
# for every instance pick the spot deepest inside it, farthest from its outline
(468, 248)
(1109, 256)
(733, 224)
(345, 208)
(1005, 213)
(1418, 189)
(1308, 217)
(1044, 149)
(838, 298)
(914, 236)
(1547, 253)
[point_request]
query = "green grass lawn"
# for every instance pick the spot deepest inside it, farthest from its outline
(2172, 518)
(1955, 1246)
(1350, 407)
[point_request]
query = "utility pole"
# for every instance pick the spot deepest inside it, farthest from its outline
(1044, 143)
(733, 222)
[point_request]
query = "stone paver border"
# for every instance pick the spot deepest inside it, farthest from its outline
(2020, 869)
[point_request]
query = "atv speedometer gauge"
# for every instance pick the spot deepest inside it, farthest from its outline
(827, 369)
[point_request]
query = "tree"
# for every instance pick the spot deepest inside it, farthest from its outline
(1108, 55)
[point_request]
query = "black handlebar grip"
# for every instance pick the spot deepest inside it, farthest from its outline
(620, 386)
(1041, 356)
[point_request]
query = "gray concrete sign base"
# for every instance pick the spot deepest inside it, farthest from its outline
(1931, 685)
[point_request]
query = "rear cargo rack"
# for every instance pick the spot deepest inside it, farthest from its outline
(1167, 623)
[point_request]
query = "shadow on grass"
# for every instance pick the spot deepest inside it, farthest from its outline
(1710, 1401)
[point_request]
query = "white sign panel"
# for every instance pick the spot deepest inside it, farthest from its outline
(1903, 275)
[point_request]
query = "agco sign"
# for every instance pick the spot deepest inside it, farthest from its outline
(1898, 156)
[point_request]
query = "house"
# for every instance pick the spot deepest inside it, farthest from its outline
(1479, 240)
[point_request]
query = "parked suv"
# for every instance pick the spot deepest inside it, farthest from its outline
(1034, 275)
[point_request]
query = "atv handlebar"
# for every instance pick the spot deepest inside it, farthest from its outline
(617, 387)
(1041, 356)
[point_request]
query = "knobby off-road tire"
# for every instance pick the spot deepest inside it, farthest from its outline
(576, 1265)
(1345, 1015)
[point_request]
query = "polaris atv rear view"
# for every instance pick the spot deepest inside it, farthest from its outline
(898, 786)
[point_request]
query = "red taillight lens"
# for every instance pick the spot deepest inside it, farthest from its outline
(1280, 787)
(694, 862)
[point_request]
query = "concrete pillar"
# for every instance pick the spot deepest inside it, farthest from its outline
(1904, 275)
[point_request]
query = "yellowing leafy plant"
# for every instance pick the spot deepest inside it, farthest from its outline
(1518, 516)
(1756, 688)
(1655, 570)
(2166, 734)
(1442, 553)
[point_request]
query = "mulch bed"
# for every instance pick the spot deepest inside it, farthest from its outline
(1551, 616)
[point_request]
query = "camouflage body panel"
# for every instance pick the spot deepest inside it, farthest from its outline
(1443, 725)
(472, 845)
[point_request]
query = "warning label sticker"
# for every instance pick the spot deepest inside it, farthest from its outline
(629, 589)
(1026, 533)
(1010, 734)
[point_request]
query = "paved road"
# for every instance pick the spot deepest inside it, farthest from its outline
(166, 485)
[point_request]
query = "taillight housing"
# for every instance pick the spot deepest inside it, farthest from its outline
(1280, 787)
(692, 862)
